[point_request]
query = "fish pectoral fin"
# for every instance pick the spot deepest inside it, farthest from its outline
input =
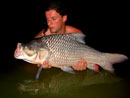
(38, 72)
(67, 69)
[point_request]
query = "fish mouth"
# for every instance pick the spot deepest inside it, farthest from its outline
(18, 51)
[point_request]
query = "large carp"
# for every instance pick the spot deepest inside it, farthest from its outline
(64, 51)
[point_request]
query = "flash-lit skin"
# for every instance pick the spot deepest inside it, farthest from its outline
(55, 22)
(56, 25)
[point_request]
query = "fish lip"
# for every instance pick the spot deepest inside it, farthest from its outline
(18, 52)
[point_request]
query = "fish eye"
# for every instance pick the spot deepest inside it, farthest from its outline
(29, 52)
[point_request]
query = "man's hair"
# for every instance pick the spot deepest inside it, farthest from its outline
(58, 6)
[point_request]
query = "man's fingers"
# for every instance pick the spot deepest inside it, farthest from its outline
(46, 64)
(81, 65)
(38, 65)
(77, 66)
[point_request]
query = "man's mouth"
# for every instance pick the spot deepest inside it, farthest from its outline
(51, 27)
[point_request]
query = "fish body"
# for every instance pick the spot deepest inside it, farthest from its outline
(64, 51)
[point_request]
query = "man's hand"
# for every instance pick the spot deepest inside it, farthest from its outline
(45, 64)
(81, 65)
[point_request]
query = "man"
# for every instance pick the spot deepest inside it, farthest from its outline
(56, 19)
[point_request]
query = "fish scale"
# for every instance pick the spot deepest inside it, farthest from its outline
(65, 50)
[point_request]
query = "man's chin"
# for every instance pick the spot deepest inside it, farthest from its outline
(53, 32)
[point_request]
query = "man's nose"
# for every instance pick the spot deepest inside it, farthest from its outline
(49, 22)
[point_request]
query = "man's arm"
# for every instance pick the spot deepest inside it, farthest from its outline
(81, 65)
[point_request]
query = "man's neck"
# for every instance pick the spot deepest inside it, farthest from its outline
(61, 31)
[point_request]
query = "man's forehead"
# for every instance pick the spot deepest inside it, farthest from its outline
(52, 13)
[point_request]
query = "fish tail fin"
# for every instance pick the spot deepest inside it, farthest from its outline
(112, 58)
(116, 58)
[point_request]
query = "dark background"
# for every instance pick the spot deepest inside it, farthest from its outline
(108, 24)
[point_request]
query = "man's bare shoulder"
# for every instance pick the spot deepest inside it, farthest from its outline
(70, 29)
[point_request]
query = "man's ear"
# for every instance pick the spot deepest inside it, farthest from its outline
(64, 18)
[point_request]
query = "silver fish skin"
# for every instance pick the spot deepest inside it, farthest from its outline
(64, 51)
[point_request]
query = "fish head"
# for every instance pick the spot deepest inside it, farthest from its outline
(25, 52)
(32, 52)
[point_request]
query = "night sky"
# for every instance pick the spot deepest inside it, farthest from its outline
(107, 23)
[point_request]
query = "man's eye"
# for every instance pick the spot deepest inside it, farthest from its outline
(54, 18)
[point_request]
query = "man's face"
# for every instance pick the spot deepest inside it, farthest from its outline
(55, 21)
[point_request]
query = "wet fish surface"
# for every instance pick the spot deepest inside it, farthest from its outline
(65, 50)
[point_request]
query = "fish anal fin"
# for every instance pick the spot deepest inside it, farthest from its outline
(94, 67)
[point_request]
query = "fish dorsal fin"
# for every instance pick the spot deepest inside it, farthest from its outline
(79, 37)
